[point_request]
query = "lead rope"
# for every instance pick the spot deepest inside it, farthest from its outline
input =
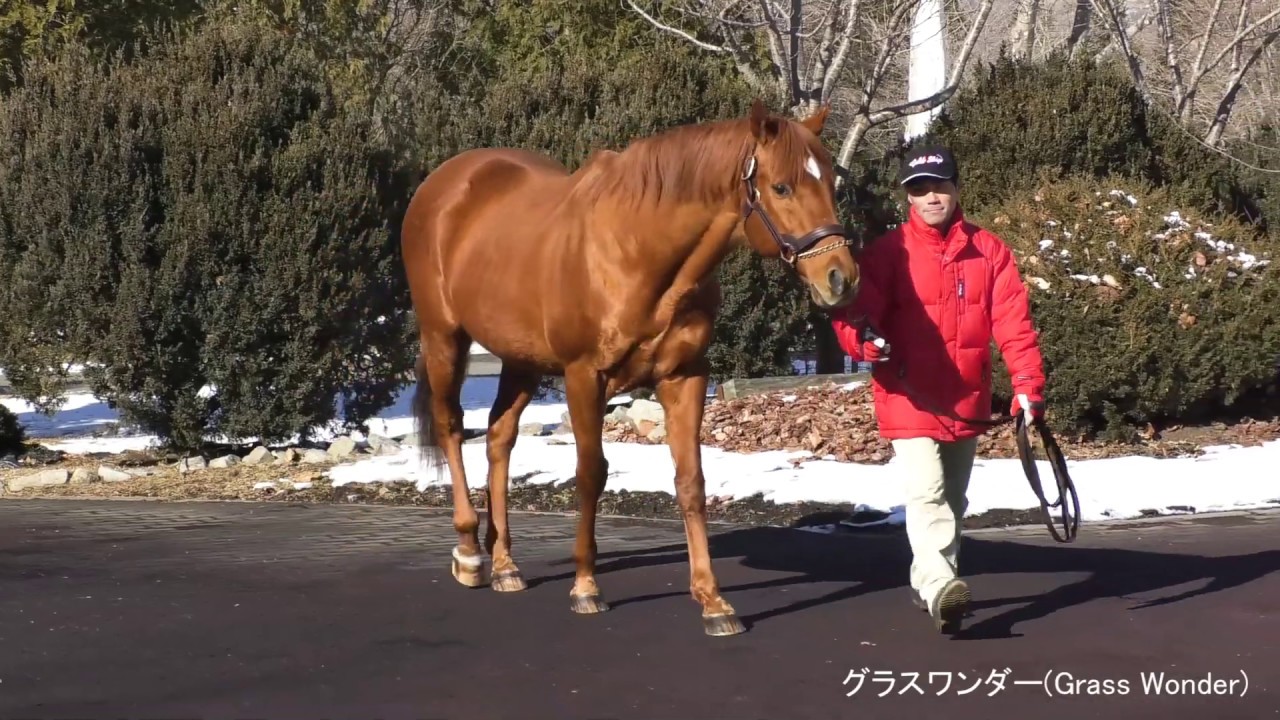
(1070, 514)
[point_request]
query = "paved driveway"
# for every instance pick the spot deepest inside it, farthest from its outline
(132, 609)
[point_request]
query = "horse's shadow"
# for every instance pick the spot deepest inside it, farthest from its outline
(872, 562)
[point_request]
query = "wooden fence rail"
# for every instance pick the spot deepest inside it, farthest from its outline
(742, 387)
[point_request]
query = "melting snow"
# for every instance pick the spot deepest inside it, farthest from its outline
(1112, 488)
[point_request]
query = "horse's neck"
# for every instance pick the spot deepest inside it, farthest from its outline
(671, 208)
(678, 260)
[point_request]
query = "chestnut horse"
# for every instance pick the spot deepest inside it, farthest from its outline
(605, 277)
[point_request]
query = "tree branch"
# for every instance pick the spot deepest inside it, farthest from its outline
(821, 60)
(741, 58)
(1171, 57)
(1130, 32)
(1121, 36)
(1208, 32)
(1223, 112)
(781, 60)
(1240, 37)
(674, 30)
(867, 120)
(842, 51)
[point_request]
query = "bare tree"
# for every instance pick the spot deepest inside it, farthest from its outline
(849, 54)
(1022, 33)
(1203, 57)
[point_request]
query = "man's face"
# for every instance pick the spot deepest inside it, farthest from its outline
(933, 199)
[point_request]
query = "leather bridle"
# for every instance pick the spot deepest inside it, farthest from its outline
(791, 248)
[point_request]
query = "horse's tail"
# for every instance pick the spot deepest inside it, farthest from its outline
(428, 448)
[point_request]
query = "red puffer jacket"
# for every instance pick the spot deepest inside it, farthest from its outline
(939, 302)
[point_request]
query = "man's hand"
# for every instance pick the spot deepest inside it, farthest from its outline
(1031, 405)
(874, 347)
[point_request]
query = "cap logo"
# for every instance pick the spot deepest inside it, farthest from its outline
(931, 159)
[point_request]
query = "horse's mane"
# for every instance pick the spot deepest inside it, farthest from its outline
(689, 163)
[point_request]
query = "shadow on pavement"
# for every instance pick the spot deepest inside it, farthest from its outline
(878, 561)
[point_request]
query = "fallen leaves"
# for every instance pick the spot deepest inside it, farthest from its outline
(837, 424)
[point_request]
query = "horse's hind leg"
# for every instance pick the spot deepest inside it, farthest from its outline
(584, 391)
(682, 398)
(515, 390)
(439, 408)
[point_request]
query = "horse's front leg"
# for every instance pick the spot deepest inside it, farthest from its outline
(584, 390)
(683, 396)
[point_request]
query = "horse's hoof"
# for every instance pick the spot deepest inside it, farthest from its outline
(468, 569)
(508, 581)
(720, 625)
(587, 604)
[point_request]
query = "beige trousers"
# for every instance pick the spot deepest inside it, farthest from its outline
(936, 477)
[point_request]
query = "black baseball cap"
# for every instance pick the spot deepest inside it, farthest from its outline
(933, 161)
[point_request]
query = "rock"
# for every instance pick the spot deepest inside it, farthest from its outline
(260, 455)
(657, 435)
(84, 476)
(224, 462)
(645, 410)
(315, 457)
(288, 457)
(44, 478)
(644, 427)
(343, 447)
(110, 474)
(191, 464)
(617, 415)
(387, 447)
(532, 429)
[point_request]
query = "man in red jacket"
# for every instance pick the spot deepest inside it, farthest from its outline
(939, 289)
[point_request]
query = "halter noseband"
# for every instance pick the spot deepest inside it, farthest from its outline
(791, 248)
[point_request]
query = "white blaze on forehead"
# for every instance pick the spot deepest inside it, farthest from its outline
(812, 166)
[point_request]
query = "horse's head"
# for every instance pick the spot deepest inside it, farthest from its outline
(790, 212)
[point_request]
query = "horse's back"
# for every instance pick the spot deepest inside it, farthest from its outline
(477, 177)
(474, 189)
(475, 240)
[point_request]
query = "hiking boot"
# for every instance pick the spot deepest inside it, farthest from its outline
(951, 605)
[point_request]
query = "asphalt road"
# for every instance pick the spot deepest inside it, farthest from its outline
(206, 610)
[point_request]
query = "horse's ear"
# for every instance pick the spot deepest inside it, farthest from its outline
(763, 127)
(817, 120)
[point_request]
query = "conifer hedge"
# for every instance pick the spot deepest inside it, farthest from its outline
(12, 435)
(209, 232)
(1149, 310)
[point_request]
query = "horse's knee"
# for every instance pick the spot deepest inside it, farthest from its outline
(502, 439)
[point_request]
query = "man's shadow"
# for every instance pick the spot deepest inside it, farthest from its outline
(871, 562)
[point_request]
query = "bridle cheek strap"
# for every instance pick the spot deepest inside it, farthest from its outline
(790, 247)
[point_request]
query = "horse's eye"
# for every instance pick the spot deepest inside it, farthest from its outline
(782, 190)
